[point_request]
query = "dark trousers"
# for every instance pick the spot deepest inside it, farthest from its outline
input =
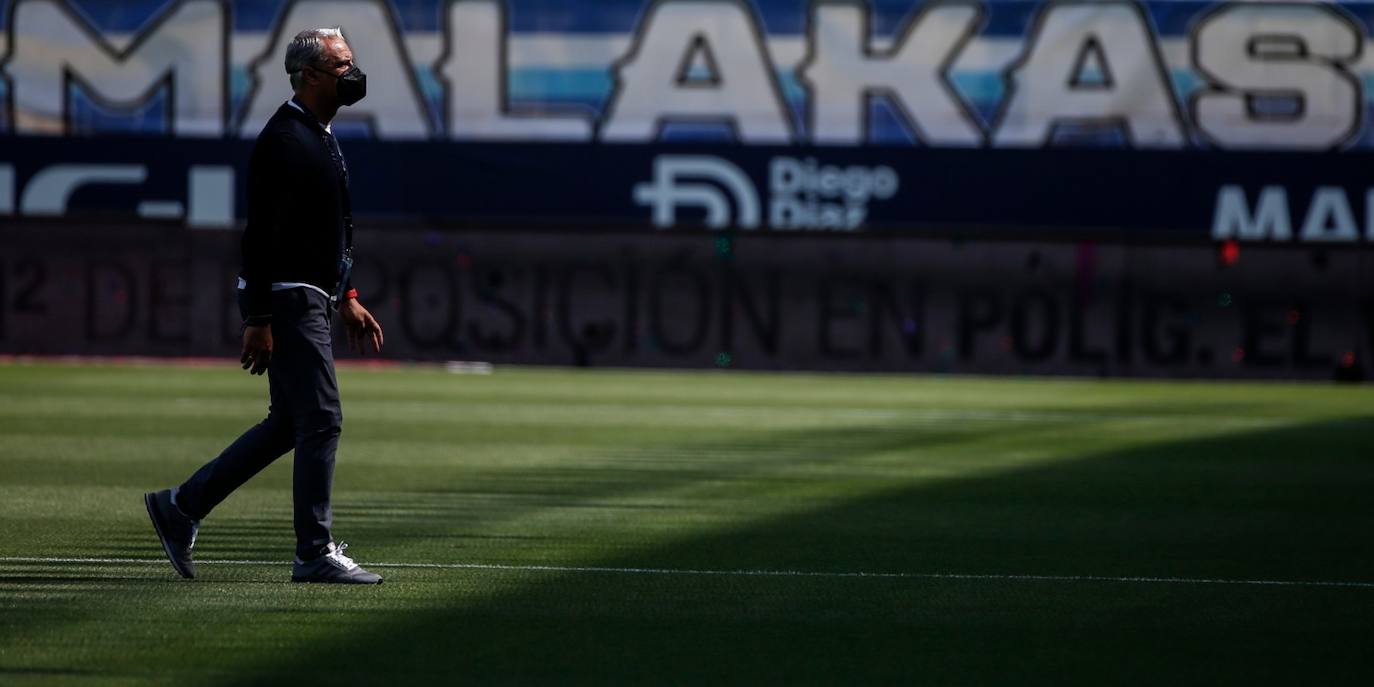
(304, 415)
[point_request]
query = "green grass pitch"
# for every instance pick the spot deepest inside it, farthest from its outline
(610, 527)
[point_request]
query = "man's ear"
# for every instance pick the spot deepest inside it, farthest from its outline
(312, 77)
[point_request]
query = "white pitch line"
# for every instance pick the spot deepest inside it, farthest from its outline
(744, 573)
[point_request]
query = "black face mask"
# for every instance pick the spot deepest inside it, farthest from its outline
(350, 86)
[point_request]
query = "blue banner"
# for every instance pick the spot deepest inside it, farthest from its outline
(1069, 194)
(990, 73)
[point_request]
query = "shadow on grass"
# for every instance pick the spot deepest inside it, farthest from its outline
(1290, 503)
(1284, 504)
(633, 484)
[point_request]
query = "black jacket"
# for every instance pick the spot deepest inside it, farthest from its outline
(298, 208)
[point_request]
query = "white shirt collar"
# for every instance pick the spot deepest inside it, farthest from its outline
(300, 109)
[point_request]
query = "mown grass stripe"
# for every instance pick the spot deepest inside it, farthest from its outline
(740, 573)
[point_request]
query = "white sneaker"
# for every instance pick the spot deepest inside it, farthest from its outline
(333, 568)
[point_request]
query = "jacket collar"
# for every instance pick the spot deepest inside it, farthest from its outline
(300, 111)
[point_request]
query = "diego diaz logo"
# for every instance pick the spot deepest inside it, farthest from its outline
(804, 194)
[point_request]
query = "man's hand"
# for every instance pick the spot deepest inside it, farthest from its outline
(361, 326)
(257, 349)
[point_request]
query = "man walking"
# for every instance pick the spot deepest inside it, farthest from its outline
(297, 258)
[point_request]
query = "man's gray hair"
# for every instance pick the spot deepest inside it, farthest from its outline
(307, 50)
